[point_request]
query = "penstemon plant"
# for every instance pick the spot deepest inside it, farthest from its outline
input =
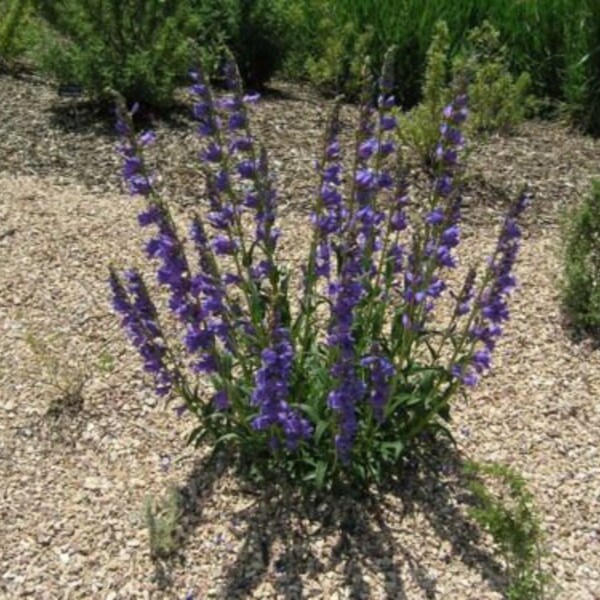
(337, 381)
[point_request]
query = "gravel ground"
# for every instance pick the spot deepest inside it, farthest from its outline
(75, 481)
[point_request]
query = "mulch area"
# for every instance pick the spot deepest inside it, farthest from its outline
(75, 481)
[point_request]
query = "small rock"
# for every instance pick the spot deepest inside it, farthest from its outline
(150, 401)
(95, 483)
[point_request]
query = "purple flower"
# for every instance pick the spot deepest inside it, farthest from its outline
(451, 236)
(131, 166)
(212, 153)
(444, 185)
(252, 97)
(367, 149)
(386, 148)
(333, 150)
(385, 180)
(331, 174)
(139, 185)
(366, 179)
(349, 389)
(221, 400)
(147, 138)
(229, 103)
(493, 302)
(223, 245)
(435, 217)
(246, 169)
(388, 122)
(240, 144)
(236, 120)
(452, 135)
(481, 360)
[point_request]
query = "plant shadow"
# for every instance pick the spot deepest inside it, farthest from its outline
(283, 535)
(82, 117)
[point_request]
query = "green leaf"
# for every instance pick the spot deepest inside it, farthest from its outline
(197, 435)
(395, 448)
(232, 435)
(441, 428)
(311, 411)
(320, 430)
(320, 472)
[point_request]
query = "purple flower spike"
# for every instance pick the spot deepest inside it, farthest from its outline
(435, 217)
(139, 319)
(271, 391)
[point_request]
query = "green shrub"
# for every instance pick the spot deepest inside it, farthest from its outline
(137, 47)
(12, 18)
(498, 101)
(324, 49)
(140, 47)
(582, 263)
(338, 69)
(255, 31)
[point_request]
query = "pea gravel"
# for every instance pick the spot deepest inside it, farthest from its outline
(76, 476)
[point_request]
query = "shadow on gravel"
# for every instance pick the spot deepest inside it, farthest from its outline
(198, 487)
(281, 533)
(83, 117)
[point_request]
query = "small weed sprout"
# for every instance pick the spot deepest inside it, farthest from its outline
(499, 101)
(67, 381)
(106, 362)
(504, 507)
(163, 520)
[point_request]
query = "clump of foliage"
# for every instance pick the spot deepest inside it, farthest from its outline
(337, 386)
(337, 67)
(508, 514)
(140, 47)
(556, 41)
(133, 46)
(163, 519)
(499, 102)
(582, 263)
(257, 32)
(12, 20)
